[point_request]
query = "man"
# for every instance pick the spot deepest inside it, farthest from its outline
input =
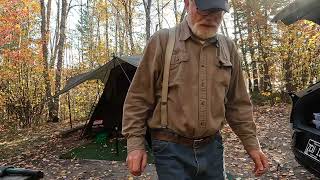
(206, 87)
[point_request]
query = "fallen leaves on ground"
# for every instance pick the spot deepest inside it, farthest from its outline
(40, 149)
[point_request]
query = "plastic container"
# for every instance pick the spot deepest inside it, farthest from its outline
(317, 123)
(316, 116)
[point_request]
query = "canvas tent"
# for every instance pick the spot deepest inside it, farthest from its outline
(116, 75)
(299, 9)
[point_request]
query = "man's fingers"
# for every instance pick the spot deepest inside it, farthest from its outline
(265, 162)
(258, 163)
(129, 163)
(136, 165)
(261, 164)
(144, 161)
(136, 161)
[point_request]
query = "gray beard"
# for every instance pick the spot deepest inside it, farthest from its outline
(198, 33)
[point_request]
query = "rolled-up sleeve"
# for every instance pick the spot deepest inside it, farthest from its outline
(141, 98)
(239, 108)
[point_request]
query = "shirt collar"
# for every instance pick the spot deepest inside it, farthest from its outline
(185, 32)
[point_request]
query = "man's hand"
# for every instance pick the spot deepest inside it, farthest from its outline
(260, 160)
(137, 162)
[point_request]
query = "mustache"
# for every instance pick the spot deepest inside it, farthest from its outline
(208, 22)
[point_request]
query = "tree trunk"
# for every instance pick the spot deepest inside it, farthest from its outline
(91, 36)
(116, 37)
(159, 15)
(265, 80)
(106, 33)
(127, 5)
(121, 37)
(253, 63)
(225, 28)
(242, 43)
(147, 9)
(54, 48)
(60, 52)
(45, 71)
(267, 86)
(183, 14)
(250, 13)
(287, 66)
(130, 27)
(48, 17)
(175, 10)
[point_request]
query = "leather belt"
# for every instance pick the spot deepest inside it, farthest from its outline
(165, 135)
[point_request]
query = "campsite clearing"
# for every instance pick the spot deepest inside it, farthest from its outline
(40, 148)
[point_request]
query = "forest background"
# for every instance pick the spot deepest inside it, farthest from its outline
(44, 43)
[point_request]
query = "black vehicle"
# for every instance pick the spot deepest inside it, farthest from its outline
(11, 173)
(306, 137)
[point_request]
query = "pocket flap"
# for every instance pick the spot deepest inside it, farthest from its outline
(224, 52)
(178, 58)
(223, 61)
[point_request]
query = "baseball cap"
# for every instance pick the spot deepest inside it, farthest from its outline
(207, 5)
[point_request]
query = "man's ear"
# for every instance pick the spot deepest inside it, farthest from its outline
(186, 4)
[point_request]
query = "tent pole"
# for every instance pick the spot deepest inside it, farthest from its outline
(117, 141)
(123, 70)
(69, 106)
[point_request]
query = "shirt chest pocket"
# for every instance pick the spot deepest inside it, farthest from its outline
(178, 68)
(222, 71)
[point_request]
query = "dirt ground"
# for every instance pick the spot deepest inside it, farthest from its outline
(40, 149)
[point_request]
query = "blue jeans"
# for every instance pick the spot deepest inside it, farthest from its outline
(179, 162)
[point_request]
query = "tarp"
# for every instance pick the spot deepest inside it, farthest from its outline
(298, 10)
(101, 73)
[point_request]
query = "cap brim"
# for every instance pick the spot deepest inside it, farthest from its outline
(204, 5)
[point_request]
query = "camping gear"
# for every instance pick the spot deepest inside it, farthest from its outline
(316, 120)
(316, 123)
(106, 115)
(8, 172)
(299, 9)
(116, 75)
(316, 116)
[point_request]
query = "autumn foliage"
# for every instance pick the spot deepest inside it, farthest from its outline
(276, 58)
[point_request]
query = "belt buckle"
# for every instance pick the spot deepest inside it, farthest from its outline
(197, 142)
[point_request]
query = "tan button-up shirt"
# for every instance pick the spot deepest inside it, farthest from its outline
(206, 87)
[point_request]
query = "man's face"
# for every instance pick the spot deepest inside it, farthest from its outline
(203, 24)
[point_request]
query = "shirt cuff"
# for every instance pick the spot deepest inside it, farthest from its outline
(251, 144)
(135, 143)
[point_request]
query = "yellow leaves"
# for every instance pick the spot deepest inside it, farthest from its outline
(2, 100)
(102, 5)
(35, 6)
(266, 93)
(102, 8)
(17, 26)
